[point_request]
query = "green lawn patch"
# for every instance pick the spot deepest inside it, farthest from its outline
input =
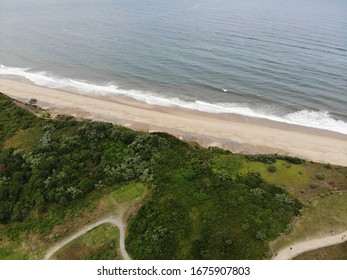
(292, 176)
(227, 166)
(129, 193)
(300, 180)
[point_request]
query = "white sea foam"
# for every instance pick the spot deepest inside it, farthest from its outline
(316, 119)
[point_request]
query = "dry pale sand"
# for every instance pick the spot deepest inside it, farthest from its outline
(236, 133)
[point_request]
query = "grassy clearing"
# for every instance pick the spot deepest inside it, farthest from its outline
(227, 166)
(129, 193)
(100, 243)
(320, 218)
(335, 252)
(24, 139)
(297, 179)
(293, 175)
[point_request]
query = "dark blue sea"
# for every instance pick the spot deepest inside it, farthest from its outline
(284, 60)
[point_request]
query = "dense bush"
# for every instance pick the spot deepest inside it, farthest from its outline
(204, 213)
(269, 159)
(70, 160)
(293, 160)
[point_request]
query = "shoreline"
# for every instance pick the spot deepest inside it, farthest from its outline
(237, 133)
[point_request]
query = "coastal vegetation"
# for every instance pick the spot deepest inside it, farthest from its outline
(182, 201)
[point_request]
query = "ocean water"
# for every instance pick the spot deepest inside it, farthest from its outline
(276, 59)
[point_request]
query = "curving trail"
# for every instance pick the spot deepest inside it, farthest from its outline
(87, 228)
(294, 250)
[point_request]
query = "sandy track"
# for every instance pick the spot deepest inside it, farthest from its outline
(87, 228)
(294, 250)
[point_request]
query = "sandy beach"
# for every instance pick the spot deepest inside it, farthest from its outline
(236, 133)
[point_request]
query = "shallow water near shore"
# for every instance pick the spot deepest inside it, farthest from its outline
(279, 60)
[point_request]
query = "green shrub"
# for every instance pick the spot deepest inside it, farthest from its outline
(32, 101)
(314, 186)
(320, 176)
(217, 150)
(45, 114)
(328, 166)
(272, 169)
(293, 160)
(269, 159)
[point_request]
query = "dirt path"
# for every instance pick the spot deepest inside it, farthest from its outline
(292, 251)
(87, 228)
